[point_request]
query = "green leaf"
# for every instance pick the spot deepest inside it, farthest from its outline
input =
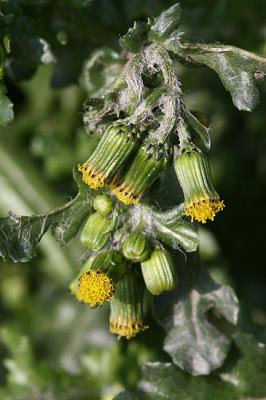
(135, 37)
(19, 236)
(162, 381)
(6, 107)
(174, 231)
(238, 69)
(100, 70)
(166, 23)
(249, 373)
(194, 343)
(159, 29)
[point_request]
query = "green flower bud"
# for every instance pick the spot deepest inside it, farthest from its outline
(202, 202)
(96, 232)
(159, 272)
(151, 159)
(136, 247)
(97, 284)
(126, 318)
(103, 204)
(117, 144)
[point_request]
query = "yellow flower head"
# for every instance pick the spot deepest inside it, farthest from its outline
(127, 329)
(95, 179)
(203, 209)
(95, 288)
(123, 193)
(201, 201)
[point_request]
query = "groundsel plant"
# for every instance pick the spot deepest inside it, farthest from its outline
(147, 139)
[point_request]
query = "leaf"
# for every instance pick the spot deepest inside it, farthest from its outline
(174, 231)
(100, 70)
(249, 373)
(19, 236)
(166, 23)
(6, 107)
(238, 69)
(162, 26)
(162, 381)
(193, 342)
(135, 37)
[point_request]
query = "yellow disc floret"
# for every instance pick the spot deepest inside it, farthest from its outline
(124, 194)
(95, 288)
(203, 209)
(127, 329)
(91, 176)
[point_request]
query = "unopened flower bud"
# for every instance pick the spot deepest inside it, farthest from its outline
(159, 272)
(96, 232)
(136, 247)
(103, 204)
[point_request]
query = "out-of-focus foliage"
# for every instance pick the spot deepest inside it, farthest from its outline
(51, 347)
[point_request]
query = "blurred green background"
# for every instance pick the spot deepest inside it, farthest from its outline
(51, 347)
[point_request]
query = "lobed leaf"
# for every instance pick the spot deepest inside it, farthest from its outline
(194, 343)
(238, 69)
(19, 235)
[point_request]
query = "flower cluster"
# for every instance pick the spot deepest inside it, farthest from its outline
(128, 163)
(120, 277)
(126, 256)
(129, 166)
